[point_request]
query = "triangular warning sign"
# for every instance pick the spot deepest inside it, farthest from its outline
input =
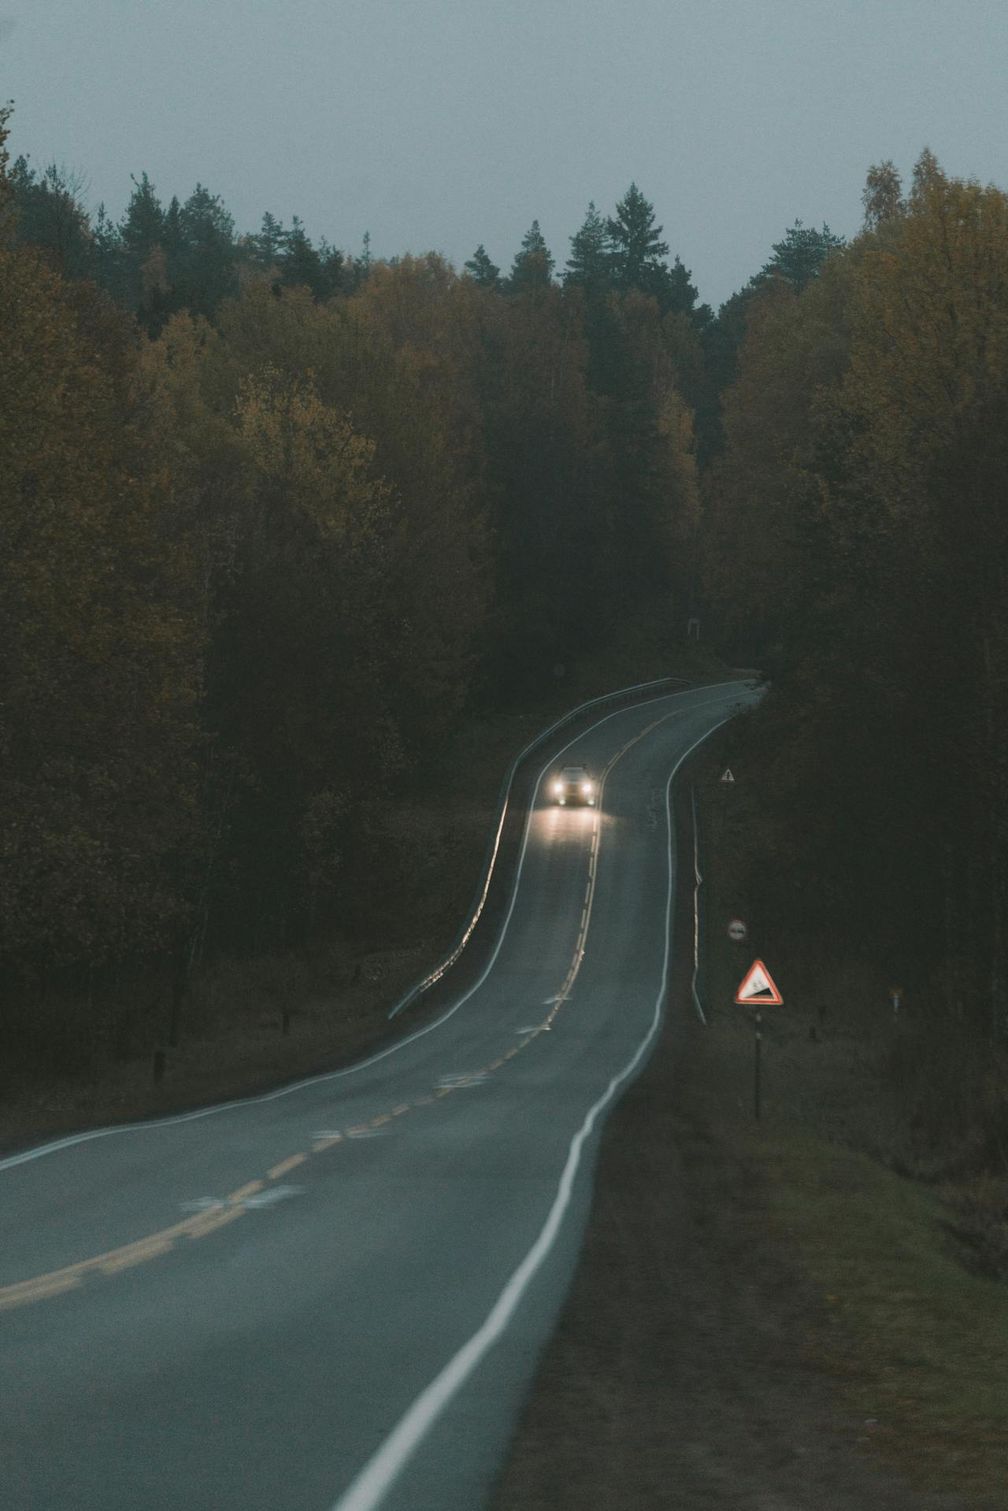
(758, 988)
(727, 775)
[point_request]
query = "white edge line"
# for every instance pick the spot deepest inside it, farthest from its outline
(370, 1487)
(439, 970)
(147, 1124)
(417, 991)
(697, 879)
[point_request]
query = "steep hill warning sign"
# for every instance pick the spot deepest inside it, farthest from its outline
(757, 988)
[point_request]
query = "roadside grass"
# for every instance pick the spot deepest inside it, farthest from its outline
(913, 1309)
(918, 1344)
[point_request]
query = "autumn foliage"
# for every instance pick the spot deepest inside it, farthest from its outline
(275, 523)
(856, 541)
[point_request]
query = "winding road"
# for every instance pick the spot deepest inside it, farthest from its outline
(333, 1297)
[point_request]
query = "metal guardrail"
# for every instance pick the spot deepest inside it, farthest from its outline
(630, 695)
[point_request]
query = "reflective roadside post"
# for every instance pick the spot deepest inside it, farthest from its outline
(756, 1064)
(757, 989)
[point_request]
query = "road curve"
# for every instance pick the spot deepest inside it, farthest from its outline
(333, 1297)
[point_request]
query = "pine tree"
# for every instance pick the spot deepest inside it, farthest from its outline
(51, 216)
(533, 265)
(142, 226)
(799, 257)
(209, 251)
(271, 241)
(590, 261)
(301, 263)
(482, 270)
(7, 207)
(638, 249)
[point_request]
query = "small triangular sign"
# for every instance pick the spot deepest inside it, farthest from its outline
(727, 775)
(758, 988)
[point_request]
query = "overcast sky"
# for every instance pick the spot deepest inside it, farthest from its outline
(444, 123)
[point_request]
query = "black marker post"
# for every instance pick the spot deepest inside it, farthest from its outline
(756, 989)
(756, 1063)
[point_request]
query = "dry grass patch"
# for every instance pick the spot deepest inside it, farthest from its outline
(919, 1343)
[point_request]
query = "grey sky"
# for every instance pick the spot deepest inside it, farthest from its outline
(443, 123)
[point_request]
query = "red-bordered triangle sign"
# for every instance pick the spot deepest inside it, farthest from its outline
(758, 987)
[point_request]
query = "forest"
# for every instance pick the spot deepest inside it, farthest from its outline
(277, 519)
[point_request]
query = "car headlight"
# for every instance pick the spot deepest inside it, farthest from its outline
(558, 788)
(587, 788)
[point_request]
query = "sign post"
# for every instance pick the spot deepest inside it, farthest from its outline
(758, 1046)
(756, 988)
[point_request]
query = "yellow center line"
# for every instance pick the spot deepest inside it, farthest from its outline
(216, 1218)
(247, 1190)
(285, 1165)
(38, 1289)
(136, 1253)
(56, 1282)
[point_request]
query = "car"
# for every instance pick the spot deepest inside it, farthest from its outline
(573, 784)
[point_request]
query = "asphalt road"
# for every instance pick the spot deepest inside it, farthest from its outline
(333, 1297)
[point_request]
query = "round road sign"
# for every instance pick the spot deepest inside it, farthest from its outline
(737, 930)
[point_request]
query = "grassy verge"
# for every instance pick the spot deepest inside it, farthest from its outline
(914, 1336)
(919, 1344)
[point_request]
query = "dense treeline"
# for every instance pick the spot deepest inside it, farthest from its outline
(275, 520)
(856, 542)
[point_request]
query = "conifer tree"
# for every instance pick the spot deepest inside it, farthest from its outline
(590, 261)
(800, 255)
(638, 251)
(271, 241)
(142, 226)
(482, 270)
(7, 209)
(301, 262)
(533, 265)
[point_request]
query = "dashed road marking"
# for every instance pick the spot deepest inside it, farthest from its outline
(459, 1080)
(246, 1191)
(272, 1195)
(285, 1165)
(210, 1214)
